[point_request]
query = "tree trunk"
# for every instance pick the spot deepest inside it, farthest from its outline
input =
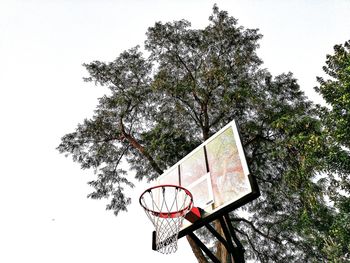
(221, 252)
(197, 251)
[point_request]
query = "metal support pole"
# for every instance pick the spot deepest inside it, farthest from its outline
(231, 248)
(239, 249)
(229, 240)
(204, 248)
(217, 235)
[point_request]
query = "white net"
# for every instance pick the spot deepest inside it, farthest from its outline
(166, 206)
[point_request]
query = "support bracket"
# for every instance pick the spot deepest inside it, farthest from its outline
(229, 240)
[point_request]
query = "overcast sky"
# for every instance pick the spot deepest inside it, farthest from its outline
(45, 216)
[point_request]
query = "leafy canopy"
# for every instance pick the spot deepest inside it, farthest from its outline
(336, 92)
(191, 83)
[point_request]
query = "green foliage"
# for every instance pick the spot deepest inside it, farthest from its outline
(336, 119)
(336, 92)
(193, 82)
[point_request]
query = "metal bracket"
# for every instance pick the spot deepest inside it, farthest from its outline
(229, 240)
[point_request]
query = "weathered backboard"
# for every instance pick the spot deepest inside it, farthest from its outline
(217, 175)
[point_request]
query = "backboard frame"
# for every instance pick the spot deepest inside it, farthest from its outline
(225, 208)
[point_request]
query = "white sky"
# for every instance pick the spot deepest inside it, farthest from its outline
(45, 215)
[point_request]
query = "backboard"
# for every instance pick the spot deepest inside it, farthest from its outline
(217, 175)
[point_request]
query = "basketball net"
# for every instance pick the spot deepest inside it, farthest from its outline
(166, 206)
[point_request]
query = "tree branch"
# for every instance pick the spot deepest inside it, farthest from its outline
(259, 254)
(276, 240)
(139, 147)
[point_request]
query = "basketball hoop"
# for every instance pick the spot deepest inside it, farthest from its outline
(166, 206)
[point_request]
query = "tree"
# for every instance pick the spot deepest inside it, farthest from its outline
(191, 84)
(336, 117)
